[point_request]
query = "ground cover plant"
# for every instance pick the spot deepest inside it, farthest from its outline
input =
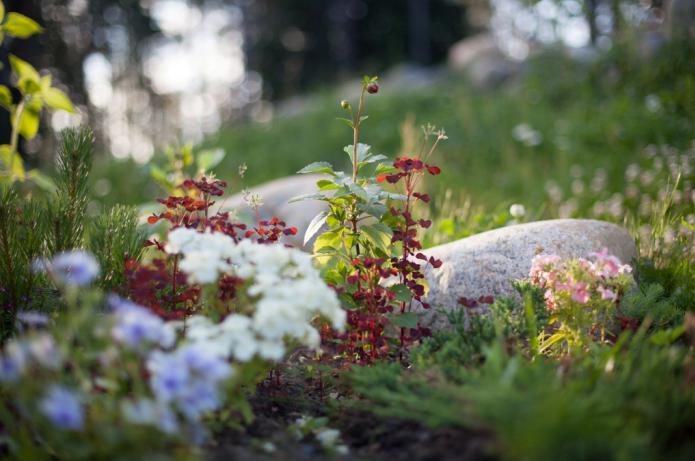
(184, 333)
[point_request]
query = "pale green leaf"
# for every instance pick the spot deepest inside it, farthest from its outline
(43, 181)
(161, 178)
(318, 167)
(299, 198)
(326, 184)
(11, 162)
(404, 320)
(358, 191)
(330, 239)
(379, 235)
(208, 159)
(5, 97)
(58, 100)
(24, 70)
(29, 123)
(402, 292)
(315, 225)
(21, 26)
(385, 168)
(362, 151)
(373, 159)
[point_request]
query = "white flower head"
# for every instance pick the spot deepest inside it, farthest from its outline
(517, 211)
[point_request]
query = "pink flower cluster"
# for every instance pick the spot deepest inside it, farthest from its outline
(601, 277)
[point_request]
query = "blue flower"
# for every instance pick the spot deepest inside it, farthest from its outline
(63, 407)
(205, 362)
(146, 411)
(169, 376)
(76, 268)
(12, 362)
(135, 325)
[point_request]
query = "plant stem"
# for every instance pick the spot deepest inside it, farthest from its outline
(356, 132)
(14, 137)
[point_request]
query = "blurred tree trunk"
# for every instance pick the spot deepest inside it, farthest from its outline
(590, 7)
(419, 31)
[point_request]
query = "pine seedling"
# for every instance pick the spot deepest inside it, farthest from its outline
(68, 209)
(114, 238)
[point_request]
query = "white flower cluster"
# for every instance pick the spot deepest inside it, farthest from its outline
(288, 290)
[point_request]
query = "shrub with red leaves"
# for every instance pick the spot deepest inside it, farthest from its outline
(160, 285)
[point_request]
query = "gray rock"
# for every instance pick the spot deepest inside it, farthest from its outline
(483, 62)
(487, 263)
(276, 195)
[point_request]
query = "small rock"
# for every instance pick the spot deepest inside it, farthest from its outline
(276, 195)
(487, 263)
(481, 59)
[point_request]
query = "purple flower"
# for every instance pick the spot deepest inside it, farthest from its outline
(63, 408)
(77, 268)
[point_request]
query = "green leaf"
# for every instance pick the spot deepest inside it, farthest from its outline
(5, 97)
(318, 167)
(21, 26)
(29, 123)
(12, 162)
(393, 196)
(43, 181)
(379, 235)
(358, 191)
(385, 168)
(330, 239)
(25, 71)
(372, 159)
(161, 178)
(376, 209)
(299, 198)
(208, 159)
(326, 184)
(56, 99)
(404, 320)
(187, 154)
(346, 121)
(315, 226)
(402, 292)
(362, 151)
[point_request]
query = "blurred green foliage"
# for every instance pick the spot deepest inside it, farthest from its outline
(594, 114)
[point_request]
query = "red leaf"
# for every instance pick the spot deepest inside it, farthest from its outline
(433, 170)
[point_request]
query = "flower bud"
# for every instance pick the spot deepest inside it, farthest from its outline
(372, 88)
(344, 104)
